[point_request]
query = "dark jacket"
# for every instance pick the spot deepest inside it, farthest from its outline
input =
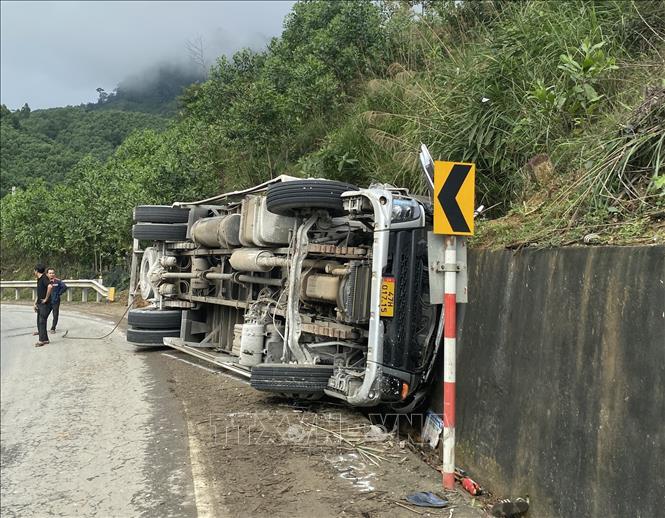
(58, 289)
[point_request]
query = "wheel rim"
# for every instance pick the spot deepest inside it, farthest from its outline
(150, 258)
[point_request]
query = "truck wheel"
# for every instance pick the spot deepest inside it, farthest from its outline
(154, 318)
(291, 379)
(152, 337)
(160, 214)
(149, 259)
(160, 231)
(288, 198)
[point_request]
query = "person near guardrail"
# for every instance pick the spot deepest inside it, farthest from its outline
(58, 288)
(42, 304)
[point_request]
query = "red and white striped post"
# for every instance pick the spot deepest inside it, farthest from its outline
(449, 360)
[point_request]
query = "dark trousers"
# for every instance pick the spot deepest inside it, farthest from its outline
(43, 311)
(56, 313)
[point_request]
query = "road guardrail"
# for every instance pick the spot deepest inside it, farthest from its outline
(85, 285)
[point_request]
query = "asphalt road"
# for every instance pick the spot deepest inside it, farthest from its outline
(88, 426)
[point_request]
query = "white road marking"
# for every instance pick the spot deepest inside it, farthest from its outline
(214, 371)
(204, 508)
(192, 363)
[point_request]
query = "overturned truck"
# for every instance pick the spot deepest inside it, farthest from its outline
(306, 287)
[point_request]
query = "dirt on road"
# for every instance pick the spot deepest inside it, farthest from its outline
(257, 455)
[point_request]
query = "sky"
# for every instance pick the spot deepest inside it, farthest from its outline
(57, 53)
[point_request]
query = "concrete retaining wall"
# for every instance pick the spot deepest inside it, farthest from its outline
(561, 379)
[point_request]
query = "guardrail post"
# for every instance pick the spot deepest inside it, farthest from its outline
(16, 294)
(98, 297)
(69, 295)
(34, 293)
(84, 294)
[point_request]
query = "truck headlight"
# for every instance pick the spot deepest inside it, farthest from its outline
(404, 210)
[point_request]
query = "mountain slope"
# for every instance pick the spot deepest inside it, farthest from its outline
(47, 143)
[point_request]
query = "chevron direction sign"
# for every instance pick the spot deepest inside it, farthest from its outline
(454, 192)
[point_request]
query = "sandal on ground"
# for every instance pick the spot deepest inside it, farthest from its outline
(40, 344)
(426, 499)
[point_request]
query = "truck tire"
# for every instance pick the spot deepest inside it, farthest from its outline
(159, 231)
(288, 198)
(160, 214)
(150, 336)
(290, 379)
(154, 318)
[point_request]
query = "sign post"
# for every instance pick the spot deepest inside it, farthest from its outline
(454, 185)
(449, 363)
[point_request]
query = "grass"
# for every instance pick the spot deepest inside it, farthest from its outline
(564, 80)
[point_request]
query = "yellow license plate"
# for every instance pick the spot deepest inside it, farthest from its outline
(387, 303)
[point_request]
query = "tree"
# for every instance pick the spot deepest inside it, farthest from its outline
(196, 52)
(103, 96)
(24, 112)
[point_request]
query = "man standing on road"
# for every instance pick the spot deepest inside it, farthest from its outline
(42, 304)
(57, 289)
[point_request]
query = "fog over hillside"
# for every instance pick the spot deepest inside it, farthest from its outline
(59, 53)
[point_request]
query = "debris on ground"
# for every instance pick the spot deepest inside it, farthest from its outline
(357, 437)
(469, 485)
(510, 508)
(432, 430)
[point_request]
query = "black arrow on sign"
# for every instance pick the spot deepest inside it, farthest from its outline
(447, 196)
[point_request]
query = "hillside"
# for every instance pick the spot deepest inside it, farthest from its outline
(46, 144)
(560, 105)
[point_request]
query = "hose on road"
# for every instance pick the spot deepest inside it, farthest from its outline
(129, 306)
(103, 336)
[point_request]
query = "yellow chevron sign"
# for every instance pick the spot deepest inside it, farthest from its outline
(454, 193)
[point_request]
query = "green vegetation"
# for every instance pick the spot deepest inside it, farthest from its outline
(46, 144)
(560, 105)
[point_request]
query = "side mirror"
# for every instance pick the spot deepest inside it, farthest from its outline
(428, 167)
